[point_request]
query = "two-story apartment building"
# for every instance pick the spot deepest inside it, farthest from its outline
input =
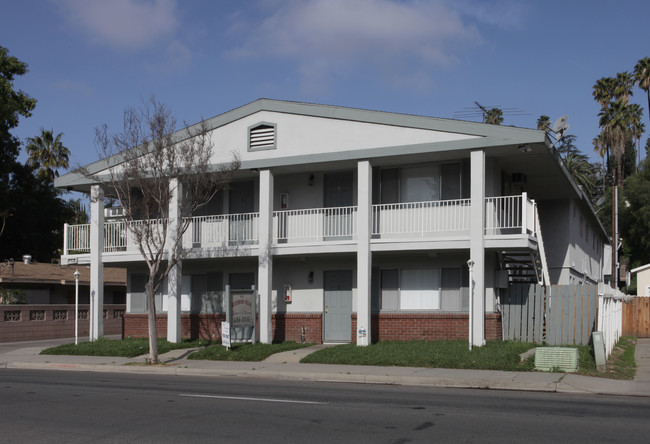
(357, 225)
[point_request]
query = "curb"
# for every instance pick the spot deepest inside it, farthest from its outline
(302, 376)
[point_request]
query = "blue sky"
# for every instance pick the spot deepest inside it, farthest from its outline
(90, 59)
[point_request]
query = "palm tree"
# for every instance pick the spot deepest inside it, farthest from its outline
(494, 116)
(642, 76)
(544, 123)
(615, 131)
(604, 91)
(623, 88)
(637, 128)
(582, 171)
(47, 153)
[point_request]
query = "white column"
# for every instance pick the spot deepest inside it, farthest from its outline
(175, 277)
(477, 249)
(364, 256)
(96, 264)
(265, 262)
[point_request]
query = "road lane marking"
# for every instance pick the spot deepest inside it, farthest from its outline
(241, 398)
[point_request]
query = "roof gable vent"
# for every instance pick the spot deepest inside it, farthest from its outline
(262, 137)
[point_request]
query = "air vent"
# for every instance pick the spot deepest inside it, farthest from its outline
(262, 137)
(562, 358)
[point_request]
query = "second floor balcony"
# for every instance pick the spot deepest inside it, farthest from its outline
(395, 222)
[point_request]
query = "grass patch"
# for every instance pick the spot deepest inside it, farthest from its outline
(245, 351)
(495, 355)
(620, 365)
(126, 348)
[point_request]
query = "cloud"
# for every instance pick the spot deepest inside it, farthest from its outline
(334, 37)
(69, 86)
(503, 14)
(123, 24)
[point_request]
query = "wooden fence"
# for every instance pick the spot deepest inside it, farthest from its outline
(557, 315)
(636, 317)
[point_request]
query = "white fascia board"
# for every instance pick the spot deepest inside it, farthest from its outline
(641, 268)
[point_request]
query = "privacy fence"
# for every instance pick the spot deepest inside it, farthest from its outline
(568, 314)
(557, 315)
(636, 317)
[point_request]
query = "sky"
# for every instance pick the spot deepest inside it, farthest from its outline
(90, 59)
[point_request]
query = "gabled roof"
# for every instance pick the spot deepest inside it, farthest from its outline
(486, 135)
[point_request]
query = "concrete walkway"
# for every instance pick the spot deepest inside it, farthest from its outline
(25, 355)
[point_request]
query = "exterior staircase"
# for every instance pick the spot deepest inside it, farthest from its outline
(527, 266)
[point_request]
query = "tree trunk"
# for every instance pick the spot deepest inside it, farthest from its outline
(151, 312)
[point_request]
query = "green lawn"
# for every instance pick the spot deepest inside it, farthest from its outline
(244, 352)
(495, 355)
(127, 348)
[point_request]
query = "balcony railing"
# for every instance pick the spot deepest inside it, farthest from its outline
(420, 218)
(222, 230)
(315, 224)
(503, 215)
(510, 215)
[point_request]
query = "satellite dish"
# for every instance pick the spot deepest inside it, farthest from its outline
(561, 125)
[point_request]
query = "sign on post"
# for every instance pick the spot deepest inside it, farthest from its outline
(225, 334)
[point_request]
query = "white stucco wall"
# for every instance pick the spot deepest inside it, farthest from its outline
(300, 135)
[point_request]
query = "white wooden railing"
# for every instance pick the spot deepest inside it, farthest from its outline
(510, 215)
(503, 215)
(76, 239)
(420, 218)
(315, 224)
(222, 230)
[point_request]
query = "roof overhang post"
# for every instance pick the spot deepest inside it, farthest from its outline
(96, 264)
(477, 248)
(175, 276)
(265, 257)
(364, 255)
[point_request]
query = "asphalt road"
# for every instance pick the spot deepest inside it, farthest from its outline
(59, 406)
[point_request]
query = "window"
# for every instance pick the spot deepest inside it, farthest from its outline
(420, 289)
(441, 289)
(424, 183)
(262, 137)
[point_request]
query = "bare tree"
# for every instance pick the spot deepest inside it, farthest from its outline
(142, 162)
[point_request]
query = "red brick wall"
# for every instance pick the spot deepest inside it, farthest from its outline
(288, 326)
(30, 327)
(426, 326)
(204, 326)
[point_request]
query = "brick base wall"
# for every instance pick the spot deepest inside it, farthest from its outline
(203, 326)
(288, 326)
(426, 326)
(51, 321)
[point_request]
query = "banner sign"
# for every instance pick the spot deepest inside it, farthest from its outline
(242, 309)
(225, 334)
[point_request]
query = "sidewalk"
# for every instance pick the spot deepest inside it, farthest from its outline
(25, 355)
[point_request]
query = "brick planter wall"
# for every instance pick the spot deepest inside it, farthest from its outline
(51, 321)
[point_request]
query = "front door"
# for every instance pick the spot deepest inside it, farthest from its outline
(337, 315)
